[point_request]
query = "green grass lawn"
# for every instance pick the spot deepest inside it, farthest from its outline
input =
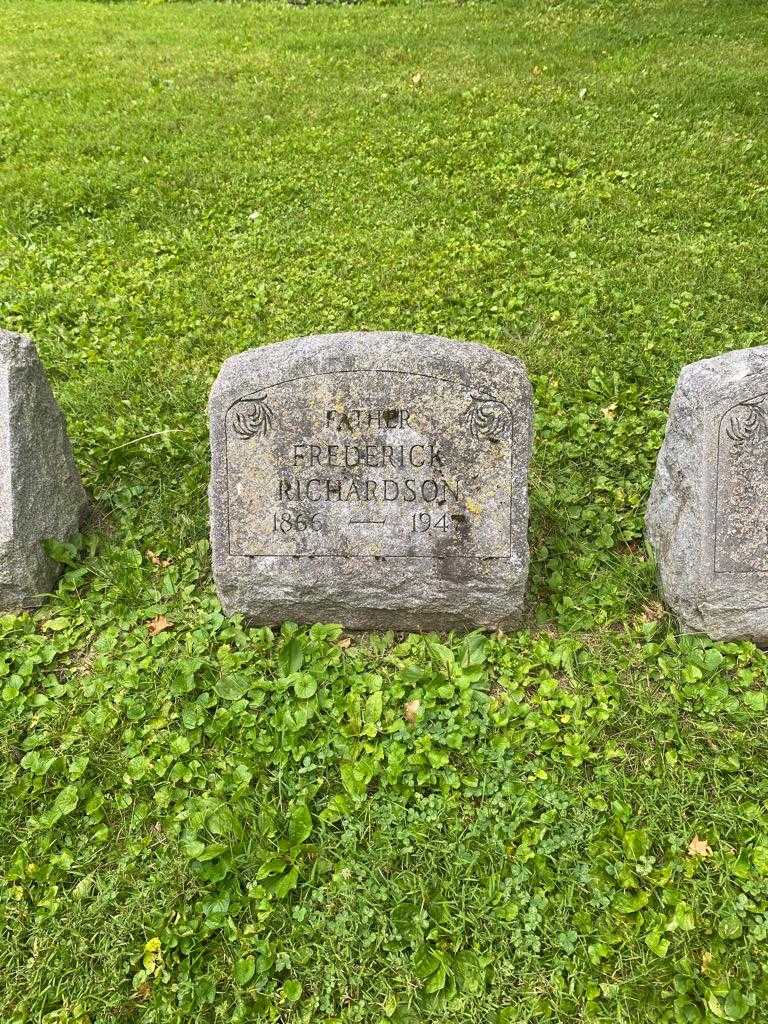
(219, 823)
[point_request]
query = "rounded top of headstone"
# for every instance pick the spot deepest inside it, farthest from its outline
(398, 351)
(708, 376)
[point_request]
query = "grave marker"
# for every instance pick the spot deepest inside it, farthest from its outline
(378, 480)
(707, 517)
(41, 497)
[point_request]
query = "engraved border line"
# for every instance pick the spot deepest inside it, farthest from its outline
(720, 421)
(326, 373)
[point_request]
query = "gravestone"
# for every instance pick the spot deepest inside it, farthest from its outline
(707, 518)
(379, 480)
(41, 497)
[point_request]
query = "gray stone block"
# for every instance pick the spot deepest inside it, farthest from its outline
(41, 497)
(707, 517)
(379, 480)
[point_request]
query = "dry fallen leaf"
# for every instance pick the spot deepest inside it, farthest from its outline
(345, 642)
(155, 559)
(653, 611)
(143, 992)
(610, 411)
(417, 78)
(699, 848)
(412, 710)
(158, 624)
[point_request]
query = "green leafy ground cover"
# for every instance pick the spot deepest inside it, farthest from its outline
(218, 823)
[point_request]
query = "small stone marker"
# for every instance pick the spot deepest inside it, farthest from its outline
(41, 497)
(707, 517)
(379, 480)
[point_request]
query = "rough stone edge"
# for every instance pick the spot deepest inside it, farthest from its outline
(677, 497)
(33, 572)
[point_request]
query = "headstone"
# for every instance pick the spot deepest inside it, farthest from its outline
(41, 497)
(707, 518)
(379, 480)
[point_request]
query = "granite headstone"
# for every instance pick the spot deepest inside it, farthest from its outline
(41, 497)
(379, 480)
(707, 518)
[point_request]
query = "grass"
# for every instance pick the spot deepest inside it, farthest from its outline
(218, 823)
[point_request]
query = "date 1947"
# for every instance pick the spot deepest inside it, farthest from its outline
(423, 522)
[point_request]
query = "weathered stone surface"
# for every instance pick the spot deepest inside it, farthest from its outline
(41, 497)
(379, 480)
(707, 517)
